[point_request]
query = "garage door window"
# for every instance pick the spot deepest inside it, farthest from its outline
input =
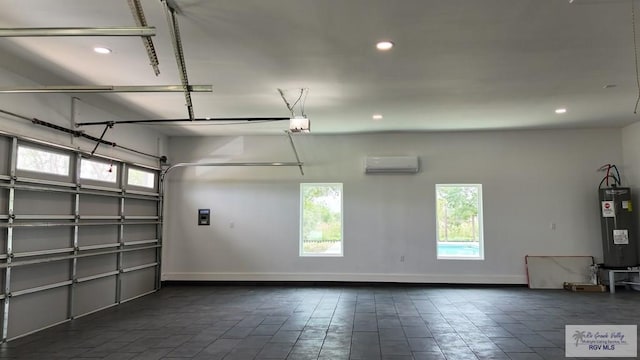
(95, 170)
(42, 161)
(141, 178)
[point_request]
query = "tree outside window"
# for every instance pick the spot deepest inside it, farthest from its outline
(321, 225)
(32, 159)
(141, 178)
(100, 171)
(459, 221)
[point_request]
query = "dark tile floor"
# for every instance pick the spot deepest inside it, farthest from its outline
(331, 322)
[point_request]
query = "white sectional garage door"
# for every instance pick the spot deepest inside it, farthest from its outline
(77, 234)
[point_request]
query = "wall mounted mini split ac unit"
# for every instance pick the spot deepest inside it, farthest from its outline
(391, 165)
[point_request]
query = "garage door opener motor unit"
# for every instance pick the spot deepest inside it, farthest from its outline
(619, 244)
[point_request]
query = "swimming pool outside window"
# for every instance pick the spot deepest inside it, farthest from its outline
(459, 222)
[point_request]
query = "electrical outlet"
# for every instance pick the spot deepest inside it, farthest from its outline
(402, 258)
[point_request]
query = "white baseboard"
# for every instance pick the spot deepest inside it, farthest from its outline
(353, 277)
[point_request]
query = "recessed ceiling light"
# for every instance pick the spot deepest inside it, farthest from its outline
(561, 111)
(377, 117)
(102, 50)
(384, 45)
(609, 86)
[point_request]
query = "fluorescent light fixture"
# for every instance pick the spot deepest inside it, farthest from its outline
(561, 111)
(377, 117)
(102, 50)
(299, 124)
(384, 45)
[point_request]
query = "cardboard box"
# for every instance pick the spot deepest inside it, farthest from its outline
(584, 287)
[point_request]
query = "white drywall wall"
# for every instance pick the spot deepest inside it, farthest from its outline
(56, 108)
(531, 180)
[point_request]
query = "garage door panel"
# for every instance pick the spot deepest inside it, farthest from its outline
(95, 294)
(99, 205)
(139, 282)
(138, 207)
(97, 235)
(140, 232)
(4, 201)
(3, 241)
(137, 258)
(3, 273)
(96, 265)
(5, 155)
(28, 277)
(41, 203)
(41, 238)
(35, 311)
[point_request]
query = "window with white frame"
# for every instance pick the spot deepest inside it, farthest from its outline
(141, 178)
(42, 161)
(321, 219)
(459, 221)
(99, 171)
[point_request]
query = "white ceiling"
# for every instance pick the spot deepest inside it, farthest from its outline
(457, 64)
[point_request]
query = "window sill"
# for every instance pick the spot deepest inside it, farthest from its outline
(321, 255)
(459, 258)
